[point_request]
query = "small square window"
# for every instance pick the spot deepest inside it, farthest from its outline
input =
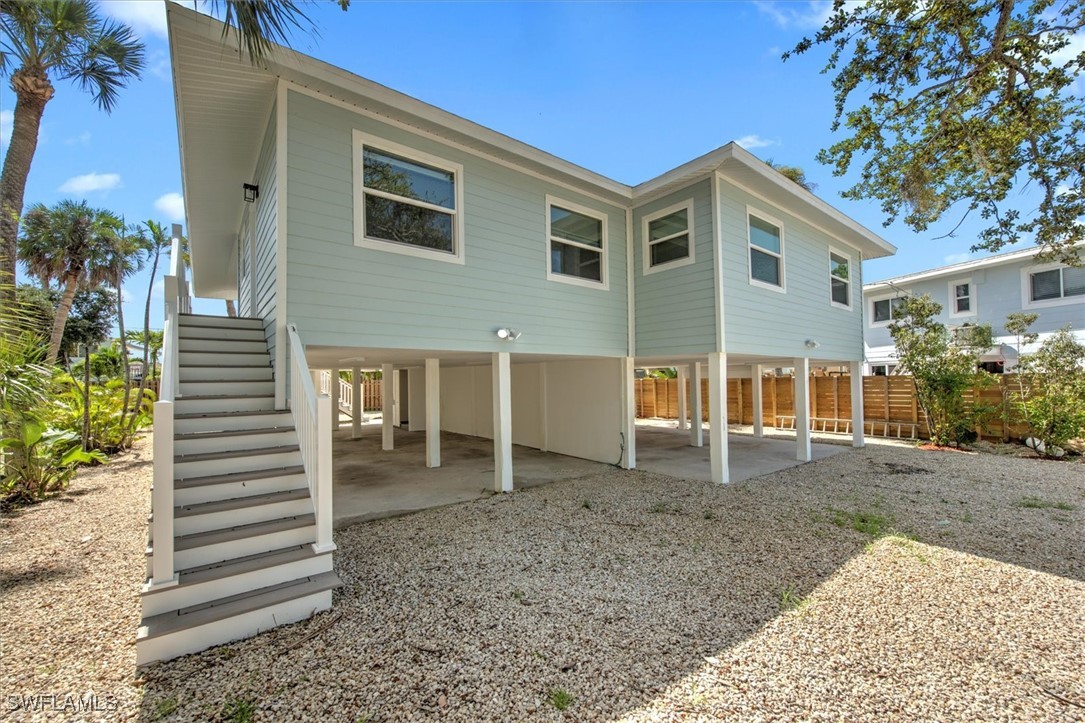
(668, 237)
(886, 310)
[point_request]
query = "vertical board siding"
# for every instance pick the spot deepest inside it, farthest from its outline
(263, 219)
(766, 322)
(675, 308)
(344, 295)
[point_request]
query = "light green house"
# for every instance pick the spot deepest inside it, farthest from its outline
(515, 291)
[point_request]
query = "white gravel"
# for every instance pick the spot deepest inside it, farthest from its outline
(640, 597)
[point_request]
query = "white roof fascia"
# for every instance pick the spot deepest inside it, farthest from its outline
(956, 269)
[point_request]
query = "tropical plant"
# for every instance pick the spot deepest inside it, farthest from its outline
(260, 24)
(23, 378)
(41, 461)
(1051, 400)
(151, 342)
(40, 42)
(73, 245)
(124, 258)
(111, 428)
(956, 106)
(943, 366)
(794, 174)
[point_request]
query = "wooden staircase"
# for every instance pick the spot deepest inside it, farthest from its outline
(243, 518)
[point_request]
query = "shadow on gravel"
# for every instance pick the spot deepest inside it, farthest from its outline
(606, 591)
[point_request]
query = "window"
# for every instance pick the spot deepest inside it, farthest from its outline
(961, 298)
(885, 310)
(1054, 284)
(883, 370)
(766, 251)
(839, 279)
(576, 244)
(407, 201)
(668, 237)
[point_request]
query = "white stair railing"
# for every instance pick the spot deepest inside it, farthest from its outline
(346, 392)
(312, 420)
(178, 302)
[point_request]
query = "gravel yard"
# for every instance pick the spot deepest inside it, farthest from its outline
(881, 583)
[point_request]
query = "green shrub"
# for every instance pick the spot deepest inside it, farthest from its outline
(110, 431)
(1051, 401)
(41, 461)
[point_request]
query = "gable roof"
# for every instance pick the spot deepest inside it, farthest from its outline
(223, 101)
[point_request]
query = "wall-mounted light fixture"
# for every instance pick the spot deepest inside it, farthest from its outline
(507, 334)
(252, 192)
(812, 344)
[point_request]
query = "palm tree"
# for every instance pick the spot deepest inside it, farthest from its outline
(260, 24)
(39, 42)
(70, 244)
(124, 257)
(793, 173)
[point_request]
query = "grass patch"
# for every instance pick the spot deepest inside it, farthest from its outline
(239, 710)
(518, 594)
(665, 508)
(868, 522)
(1037, 503)
(165, 707)
(560, 698)
(791, 601)
(709, 515)
(586, 504)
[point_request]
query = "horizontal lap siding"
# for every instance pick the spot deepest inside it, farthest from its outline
(264, 227)
(341, 294)
(766, 322)
(675, 308)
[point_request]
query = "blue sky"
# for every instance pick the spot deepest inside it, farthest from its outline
(629, 90)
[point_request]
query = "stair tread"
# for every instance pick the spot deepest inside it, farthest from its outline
(190, 482)
(188, 436)
(239, 532)
(231, 454)
(233, 366)
(212, 415)
(183, 397)
(219, 316)
(231, 327)
(237, 503)
(227, 381)
(218, 351)
(227, 607)
(240, 565)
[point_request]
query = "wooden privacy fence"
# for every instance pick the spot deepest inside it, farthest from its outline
(371, 395)
(890, 406)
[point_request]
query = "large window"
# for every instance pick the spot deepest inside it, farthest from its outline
(766, 251)
(408, 201)
(961, 302)
(840, 279)
(668, 237)
(576, 244)
(885, 310)
(1053, 285)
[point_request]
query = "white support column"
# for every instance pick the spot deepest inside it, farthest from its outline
(433, 413)
(803, 452)
(397, 399)
(683, 414)
(387, 438)
(502, 383)
(696, 424)
(717, 417)
(333, 392)
(629, 413)
(758, 401)
(357, 404)
(856, 371)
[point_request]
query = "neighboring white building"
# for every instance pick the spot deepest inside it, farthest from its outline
(984, 291)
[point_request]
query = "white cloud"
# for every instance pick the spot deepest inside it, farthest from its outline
(172, 205)
(147, 17)
(956, 258)
(81, 139)
(91, 182)
(7, 119)
(751, 141)
(808, 15)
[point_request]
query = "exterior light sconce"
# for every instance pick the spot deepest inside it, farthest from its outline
(252, 192)
(812, 344)
(507, 334)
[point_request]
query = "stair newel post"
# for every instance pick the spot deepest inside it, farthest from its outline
(162, 570)
(322, 501)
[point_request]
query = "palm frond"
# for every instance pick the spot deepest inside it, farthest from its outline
(261, 25)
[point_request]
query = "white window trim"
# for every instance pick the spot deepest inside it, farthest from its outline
(647, 267)
(1026, 288)
(782, 288)
(363, 140)
(849, 280)
(882, 297)
(604, 282)
(972, 304)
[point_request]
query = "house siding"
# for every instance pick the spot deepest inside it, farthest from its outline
(341, 294)
(263, 219)
(676, 307)
(764, 322)
(999, 291)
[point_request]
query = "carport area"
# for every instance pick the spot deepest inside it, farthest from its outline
(372, 483)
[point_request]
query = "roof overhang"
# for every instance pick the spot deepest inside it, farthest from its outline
(223, 104)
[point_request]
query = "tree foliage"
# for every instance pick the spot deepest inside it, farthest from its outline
(90, 320)
(1052, 396)
(794, 174)
(956, 105)
(943, 366)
